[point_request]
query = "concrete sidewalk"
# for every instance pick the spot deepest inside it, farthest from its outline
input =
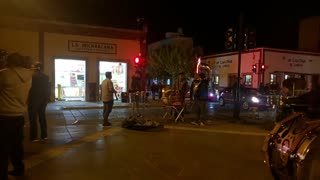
(71, 105)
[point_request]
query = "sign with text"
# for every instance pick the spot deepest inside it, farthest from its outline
(92, 47)
(293, 62)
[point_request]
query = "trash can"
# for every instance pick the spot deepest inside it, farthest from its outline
(124, 97)
(92, 92)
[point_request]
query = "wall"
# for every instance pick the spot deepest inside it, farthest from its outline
(309, 34)
(291, 62)
(226, 64)
(24, 42)
(57, 46)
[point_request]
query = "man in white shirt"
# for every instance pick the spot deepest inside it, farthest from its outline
(107, 91)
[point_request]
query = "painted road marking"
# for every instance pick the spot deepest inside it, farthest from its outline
(219, 131)
(54, 152)
(57, 151)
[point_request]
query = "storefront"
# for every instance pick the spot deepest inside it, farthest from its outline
(262, 66)
(75, 56)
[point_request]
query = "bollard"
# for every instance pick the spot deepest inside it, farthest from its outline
(59, 92)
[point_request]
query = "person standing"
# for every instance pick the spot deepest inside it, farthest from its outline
(107, 91)
(15, 83)
(201, 99)
(38, 99)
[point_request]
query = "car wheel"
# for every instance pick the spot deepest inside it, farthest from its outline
(245, 106)
(221, 102)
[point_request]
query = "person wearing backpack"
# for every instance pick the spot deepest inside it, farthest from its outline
(201, 99)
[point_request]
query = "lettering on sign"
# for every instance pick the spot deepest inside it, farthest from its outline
(223, 63)
(297, 62)
(92, 47)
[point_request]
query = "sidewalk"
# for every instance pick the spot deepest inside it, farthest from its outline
(71, 105)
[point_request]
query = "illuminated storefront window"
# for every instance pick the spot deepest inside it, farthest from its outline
(119, 74)
(248, 80)
(216, 79)
(70, 79)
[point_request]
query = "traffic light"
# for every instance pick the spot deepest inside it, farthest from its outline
(263, 67)
(137, 60)
(249, 38)
(230, 39)
(254, 68)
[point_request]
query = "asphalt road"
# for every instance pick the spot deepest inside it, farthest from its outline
(80, 148)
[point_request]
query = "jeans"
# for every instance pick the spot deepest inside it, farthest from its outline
(11, 143)
(37, 112)
(107, 108)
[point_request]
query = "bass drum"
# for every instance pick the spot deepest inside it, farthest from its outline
(308, 164)
(292, 149)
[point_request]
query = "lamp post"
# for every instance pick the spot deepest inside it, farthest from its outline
(236, 109)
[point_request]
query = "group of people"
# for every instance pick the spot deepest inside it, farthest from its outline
(24, 89)
(198, 94)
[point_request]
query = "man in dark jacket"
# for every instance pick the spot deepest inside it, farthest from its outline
(201, 99)
(38, 100)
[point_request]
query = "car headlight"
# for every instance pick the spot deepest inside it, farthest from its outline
(211, 94)
(255, 99)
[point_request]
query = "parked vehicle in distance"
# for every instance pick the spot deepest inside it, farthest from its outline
(249, 97)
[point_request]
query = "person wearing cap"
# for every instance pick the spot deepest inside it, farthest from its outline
(38, 99)
(15, 83)
(107, 91)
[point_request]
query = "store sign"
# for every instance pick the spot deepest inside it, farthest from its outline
(92, 47)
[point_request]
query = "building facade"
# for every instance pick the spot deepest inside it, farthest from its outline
(75, 56)
(273, 66)
(309, 34)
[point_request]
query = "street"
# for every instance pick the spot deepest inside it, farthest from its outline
(80, 148)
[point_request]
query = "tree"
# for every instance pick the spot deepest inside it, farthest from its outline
(168, 60)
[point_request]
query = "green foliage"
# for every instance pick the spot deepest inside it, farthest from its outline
(169, 60)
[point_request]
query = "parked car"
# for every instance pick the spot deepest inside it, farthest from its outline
(249, 97)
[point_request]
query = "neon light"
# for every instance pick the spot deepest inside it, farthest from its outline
(198, 64)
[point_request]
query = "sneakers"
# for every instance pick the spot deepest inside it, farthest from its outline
(106, 124)
(35, 140)
(194, 123)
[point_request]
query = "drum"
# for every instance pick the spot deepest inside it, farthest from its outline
(292, 149)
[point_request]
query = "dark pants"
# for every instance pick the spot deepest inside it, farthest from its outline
(201, 110)
(107, 108)
(11, 144)
(37, 112)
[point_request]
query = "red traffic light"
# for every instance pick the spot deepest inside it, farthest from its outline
(263, 66)
(254, 68)
(137, 60)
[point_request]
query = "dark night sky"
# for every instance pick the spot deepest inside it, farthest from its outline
(276, 25)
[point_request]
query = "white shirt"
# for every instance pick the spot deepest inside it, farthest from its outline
(107, 90)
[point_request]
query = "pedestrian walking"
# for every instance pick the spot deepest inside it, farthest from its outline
(107, 91)
(39, 96)
(15, 83)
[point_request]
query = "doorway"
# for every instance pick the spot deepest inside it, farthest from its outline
(70, 79)
(119, 75)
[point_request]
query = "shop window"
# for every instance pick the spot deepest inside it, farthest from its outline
(247, 80)
(273, 79)
(286, 76)
(216, 79)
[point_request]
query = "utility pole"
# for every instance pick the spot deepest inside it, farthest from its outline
(236, 110)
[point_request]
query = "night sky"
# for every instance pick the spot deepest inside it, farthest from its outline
(204, 21)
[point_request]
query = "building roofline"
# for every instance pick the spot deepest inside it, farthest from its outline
(68, 28)
(264, 49)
